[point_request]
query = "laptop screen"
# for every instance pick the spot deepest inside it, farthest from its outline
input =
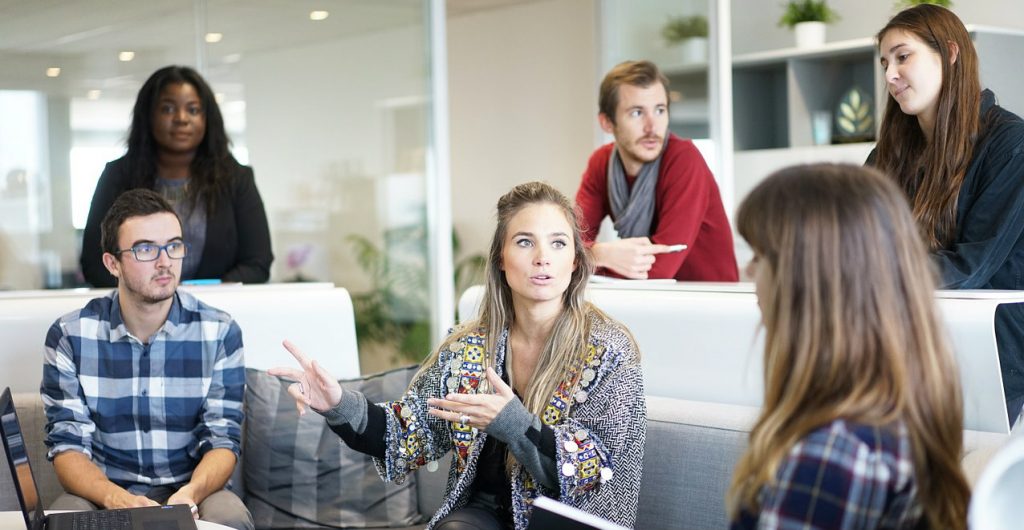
(17, 460)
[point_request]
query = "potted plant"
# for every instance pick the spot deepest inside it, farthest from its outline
(808, 18)
(690, 35)
(902, 4)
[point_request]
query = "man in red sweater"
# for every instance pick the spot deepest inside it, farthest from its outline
(655, 186)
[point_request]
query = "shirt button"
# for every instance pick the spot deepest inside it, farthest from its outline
(144, 392)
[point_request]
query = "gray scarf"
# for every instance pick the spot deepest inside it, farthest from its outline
(633, 211)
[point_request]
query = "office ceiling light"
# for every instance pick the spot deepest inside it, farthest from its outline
(220, 97)
(125, 56)
(93, 94)
(214, 38)
(318, 15)
(52, 71)
(232, 58)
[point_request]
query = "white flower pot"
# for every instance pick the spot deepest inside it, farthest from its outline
(809, 34)
(693, 50)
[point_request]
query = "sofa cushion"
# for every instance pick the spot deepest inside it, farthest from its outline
(299, 474)
(689, 457)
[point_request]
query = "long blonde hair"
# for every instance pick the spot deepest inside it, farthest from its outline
(851, 330)
(571, 331)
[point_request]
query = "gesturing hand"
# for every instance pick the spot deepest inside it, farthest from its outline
(474, 410)
(313, 385)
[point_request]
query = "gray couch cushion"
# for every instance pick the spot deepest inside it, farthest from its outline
(689, 457)
(299, 474)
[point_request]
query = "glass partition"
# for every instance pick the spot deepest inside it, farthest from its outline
(329, 103)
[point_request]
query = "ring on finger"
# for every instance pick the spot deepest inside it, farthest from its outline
(464, 419)
(302, 389)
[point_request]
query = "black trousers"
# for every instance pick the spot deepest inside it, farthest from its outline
(482, 513)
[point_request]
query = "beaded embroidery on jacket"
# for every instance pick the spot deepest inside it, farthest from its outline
(597, 413)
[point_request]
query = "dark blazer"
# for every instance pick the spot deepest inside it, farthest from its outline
(237, 247)
(988, 249)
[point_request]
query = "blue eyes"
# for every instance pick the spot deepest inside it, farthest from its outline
(636, 113)
(557, 244)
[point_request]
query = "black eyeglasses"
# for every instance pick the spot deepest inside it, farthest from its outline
(151, 251)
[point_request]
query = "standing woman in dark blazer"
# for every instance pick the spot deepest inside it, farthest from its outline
(177, 146)
(959, 157)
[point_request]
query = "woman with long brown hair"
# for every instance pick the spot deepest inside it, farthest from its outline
(959, 158)
(542, 394)
(861, 425)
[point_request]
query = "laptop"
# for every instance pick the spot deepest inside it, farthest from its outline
(173, 517)
(549, 514)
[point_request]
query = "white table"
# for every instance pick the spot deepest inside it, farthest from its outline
(14, 521)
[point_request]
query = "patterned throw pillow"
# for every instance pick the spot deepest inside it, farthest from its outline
(299, 474)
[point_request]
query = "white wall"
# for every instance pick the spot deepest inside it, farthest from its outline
(754, 22)
(320, 133)
(523, 95)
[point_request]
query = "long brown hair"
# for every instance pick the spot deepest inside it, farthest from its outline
(851, 330)
(931, 173)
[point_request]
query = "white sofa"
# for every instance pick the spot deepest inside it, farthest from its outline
(692, 443)
(702, 341)
(316, 316)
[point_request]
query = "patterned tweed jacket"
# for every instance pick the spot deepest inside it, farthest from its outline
(598, 416)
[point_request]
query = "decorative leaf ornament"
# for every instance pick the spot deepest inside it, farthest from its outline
(855, 120)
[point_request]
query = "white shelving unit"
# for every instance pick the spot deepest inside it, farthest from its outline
(690, 111)
(776, 92)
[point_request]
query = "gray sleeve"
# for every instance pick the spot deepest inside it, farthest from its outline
(511, 426)
(352, 409)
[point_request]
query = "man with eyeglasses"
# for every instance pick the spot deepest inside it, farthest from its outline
(143, 387)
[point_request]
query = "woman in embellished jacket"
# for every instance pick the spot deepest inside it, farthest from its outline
(540, 395)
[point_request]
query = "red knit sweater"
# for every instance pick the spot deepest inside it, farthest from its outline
(687, 209)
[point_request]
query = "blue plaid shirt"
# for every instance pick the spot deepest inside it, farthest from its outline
(842, 476)
(145, 414)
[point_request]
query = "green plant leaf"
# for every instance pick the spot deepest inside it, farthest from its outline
(911, 3)
(679, 28)
(797, 11)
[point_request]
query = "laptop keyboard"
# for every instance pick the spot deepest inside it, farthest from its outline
(103, 520)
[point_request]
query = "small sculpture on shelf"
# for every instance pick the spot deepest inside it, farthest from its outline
(689, 34)
(807, 18)
(855, 119)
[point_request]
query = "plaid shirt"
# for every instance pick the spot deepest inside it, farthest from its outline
(144, 413)
(842, 476)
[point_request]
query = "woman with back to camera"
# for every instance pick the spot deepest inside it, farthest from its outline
(959, 158)
(861, 425)
(177, 146)
(541, 394)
